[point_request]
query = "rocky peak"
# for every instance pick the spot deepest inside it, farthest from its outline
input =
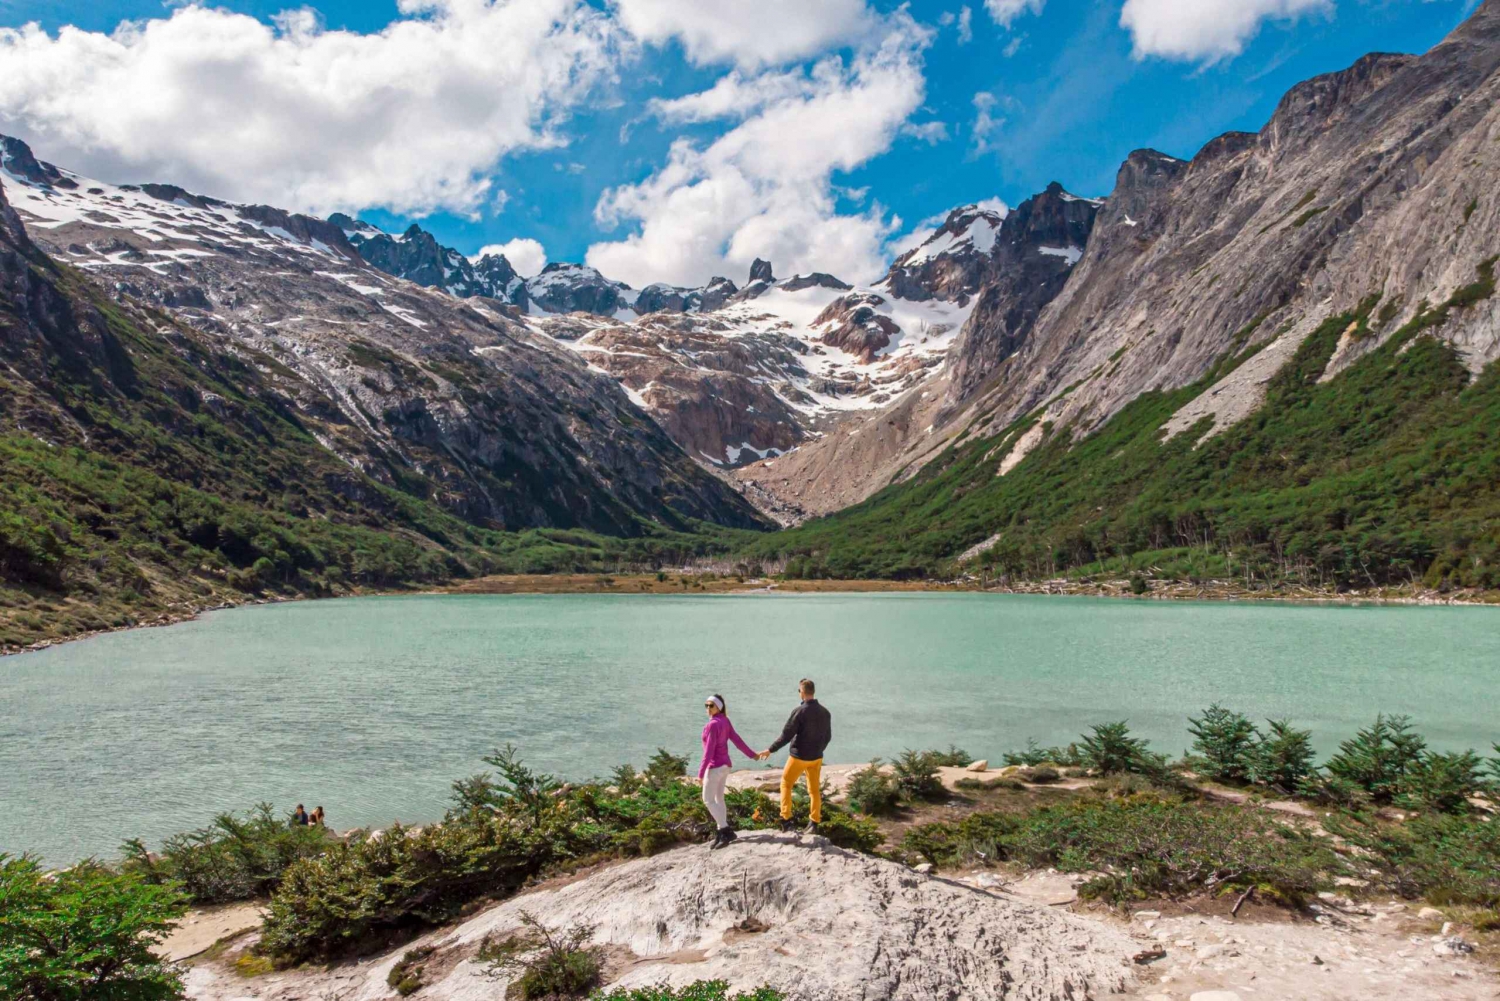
(1035, 251)
(578, 288)
(760, 271)
(16, 157)
(417, 256)
(951, 263)
(815, 280)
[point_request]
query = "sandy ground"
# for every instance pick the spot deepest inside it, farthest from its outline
(202, 928)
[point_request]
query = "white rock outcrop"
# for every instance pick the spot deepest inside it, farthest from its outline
(829, 925)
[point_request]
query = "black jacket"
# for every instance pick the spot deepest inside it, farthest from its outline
(808, 729)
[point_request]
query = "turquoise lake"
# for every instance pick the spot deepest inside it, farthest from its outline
(371, 706)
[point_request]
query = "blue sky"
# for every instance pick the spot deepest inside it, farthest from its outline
(1062, 92)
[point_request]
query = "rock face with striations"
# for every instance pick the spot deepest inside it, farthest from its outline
(1035, 250)
(1375, 183)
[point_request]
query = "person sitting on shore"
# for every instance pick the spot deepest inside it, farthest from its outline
(713, 771)
(808, 730)
(299, 816)
(317, 817)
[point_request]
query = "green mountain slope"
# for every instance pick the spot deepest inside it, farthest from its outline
(1388, 473)
(147, 471)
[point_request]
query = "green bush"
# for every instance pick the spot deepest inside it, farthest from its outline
(363, 891)
(1067, 757)
(855, 833)
(562, 965)
(977, 838)
(84, 934)
(1442, 782)
(1374, 762)
(234, 858)
(1227, 741)
(917, 776)
(1446, 858)
(1284, 757)
(664, 769)
(406, 975)
(1110, 750)
(702, 990)
(872, 791)
(953, 757)
(1153, 847)
(626, 779)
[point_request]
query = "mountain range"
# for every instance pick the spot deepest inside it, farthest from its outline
(949, 414)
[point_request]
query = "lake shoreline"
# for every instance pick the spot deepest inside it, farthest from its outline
(701, 584)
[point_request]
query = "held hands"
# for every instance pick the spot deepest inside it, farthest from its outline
(763, 755)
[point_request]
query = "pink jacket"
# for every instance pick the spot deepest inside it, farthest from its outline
(716, 737)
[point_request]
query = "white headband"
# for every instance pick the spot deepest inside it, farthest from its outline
(716, 701)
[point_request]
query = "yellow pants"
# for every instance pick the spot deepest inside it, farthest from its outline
(795, 768)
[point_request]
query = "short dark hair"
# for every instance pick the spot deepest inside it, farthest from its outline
(807, 687)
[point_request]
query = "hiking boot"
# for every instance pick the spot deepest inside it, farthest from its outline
(788, 827)
(729, 835)
(721, 839)
(811, 829)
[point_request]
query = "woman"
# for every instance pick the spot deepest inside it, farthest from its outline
(317, 817)
(713, 772)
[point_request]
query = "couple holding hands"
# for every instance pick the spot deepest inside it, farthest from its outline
(808, 731)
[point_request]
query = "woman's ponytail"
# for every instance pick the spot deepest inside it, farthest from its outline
(723, 706)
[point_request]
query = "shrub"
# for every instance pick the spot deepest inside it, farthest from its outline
(855, 833)
(234, 858)
(664, 768)
(1283, 757)
(701, 990)
(1110, 750)
(406, 975)
(361, 892)
(84, 934)
(529, 789)
(563, 965)
(1138, 584)
(1034, 755)
(1227, 740)
(917, 776)
(1374, 762)
(626, 779)
(1149, 847)
(1442, 782)
(977, 838)
(953, 757)
(1446, 858)
(872, 791)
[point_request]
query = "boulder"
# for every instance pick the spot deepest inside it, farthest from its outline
(982, 765)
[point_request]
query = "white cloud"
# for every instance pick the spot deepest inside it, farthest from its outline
(986, 123)
(965, 26)
(412, 118)
(749, 33)
(765, 188)
(527, 256)
(1003, 12)
(1205, 30)
(930, 133)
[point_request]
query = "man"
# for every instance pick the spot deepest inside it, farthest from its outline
(299, 816)
(808, 730)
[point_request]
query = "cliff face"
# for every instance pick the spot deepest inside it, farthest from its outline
(1375, 183)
